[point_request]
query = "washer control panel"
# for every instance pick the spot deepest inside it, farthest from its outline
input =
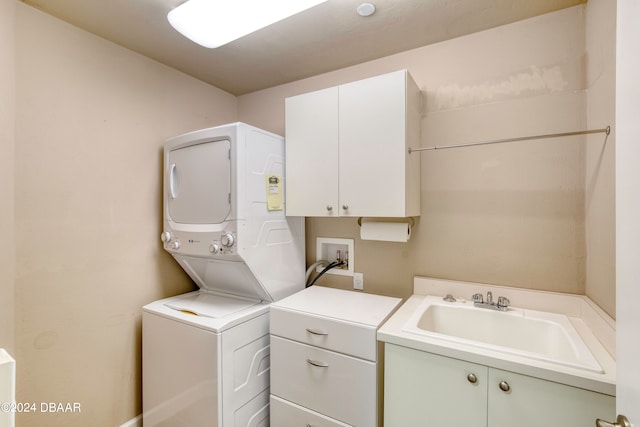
(222, 243)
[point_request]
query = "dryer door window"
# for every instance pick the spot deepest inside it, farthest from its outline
(198, 183)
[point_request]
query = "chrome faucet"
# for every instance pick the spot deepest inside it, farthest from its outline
(502, 305)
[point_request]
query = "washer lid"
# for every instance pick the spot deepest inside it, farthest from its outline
(209, 305)
(225, 277)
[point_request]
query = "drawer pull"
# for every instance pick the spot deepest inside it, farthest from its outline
(318, 364)
(314, 332)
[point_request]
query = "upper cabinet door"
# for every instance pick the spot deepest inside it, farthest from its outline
(372, 141)
(312, 154)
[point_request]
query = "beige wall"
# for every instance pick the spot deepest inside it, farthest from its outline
(600, 156)
(510, 214)
(7, 117)
(91, 120)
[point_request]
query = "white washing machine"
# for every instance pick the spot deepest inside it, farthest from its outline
(205, 354)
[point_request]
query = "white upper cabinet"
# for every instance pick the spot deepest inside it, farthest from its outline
(347, 149)
(311, 154)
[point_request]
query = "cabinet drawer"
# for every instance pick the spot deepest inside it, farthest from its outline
(339, 386)
(349, 338)
(287, 414)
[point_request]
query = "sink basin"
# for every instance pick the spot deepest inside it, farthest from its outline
(533, 334)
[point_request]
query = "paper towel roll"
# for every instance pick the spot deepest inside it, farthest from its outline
(385, 231)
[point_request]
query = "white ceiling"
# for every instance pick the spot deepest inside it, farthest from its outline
(327, 37)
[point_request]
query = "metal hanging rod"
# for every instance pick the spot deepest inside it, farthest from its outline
(606, 130)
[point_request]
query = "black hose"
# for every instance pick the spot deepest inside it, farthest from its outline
(334, 264)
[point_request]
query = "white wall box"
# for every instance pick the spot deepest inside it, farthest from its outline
(347, 149)
(7, 389)
(421, 385)
(327, 249)
(324, 353)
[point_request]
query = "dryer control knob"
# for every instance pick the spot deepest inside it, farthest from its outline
(227, 240)
(166, 236)
(175, 244)
(214, 248)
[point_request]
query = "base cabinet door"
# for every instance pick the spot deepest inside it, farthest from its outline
(426, 390)
(523, 401)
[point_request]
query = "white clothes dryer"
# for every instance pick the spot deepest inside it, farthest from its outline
(205, 354)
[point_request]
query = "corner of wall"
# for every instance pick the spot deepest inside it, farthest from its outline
(600, 42)
(7, 148)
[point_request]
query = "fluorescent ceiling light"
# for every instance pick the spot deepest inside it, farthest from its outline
(213, 23)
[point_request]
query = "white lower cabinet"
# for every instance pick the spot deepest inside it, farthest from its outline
(324, 381)
(424, 389)
(325, 369)
(287, 414)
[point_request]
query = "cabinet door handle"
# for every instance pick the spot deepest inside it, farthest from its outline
(329, 208)
(504, 386)
(345, 207)
(317, 364)
(316, 332)
(622, 421)
(472, 378)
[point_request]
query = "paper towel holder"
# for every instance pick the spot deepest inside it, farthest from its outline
(410, 221)
(386, 229)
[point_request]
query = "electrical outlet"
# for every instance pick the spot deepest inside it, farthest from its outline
(358, 281)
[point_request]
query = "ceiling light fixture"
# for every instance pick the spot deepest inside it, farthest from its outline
(213, 23)
(366, 9)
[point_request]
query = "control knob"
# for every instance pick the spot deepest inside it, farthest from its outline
(175, 245)
(214, 248)
(227, 240)
(165, 236)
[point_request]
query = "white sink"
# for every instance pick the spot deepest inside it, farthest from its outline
(534, 334)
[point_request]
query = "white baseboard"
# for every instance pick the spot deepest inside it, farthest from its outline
(134, 422)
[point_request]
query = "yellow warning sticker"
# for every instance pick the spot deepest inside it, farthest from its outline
(274, 192)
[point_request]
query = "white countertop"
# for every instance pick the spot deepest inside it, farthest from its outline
(595, 328)
(351, 306)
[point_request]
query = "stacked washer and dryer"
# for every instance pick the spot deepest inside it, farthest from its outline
(205, 354)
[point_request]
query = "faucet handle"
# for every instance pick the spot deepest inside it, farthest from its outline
(477, 298)
(503, 302)
(489, 297)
